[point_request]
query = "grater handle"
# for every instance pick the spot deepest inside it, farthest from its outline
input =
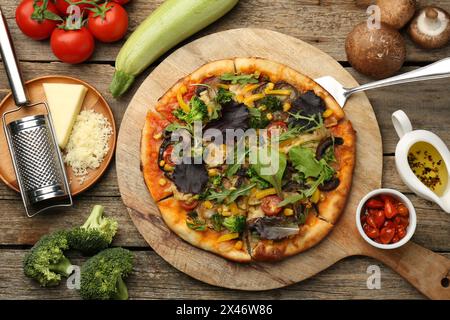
(11, 64)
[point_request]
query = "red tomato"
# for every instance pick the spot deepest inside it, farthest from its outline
(72, 46)
(363, 219)
(189, 94)
(189, 205)
(371, 231)
(389, 224)
(270, 204)
(37, 28)
(395, 239)
(379, 218)
(375, 204)
(371, 221)
(386, 197)
(62, 6)
(402, 210)
(168, 156)
(122, 2)
(389, 209)
(400, 232)
(386, 235)
(276, 125)
(401, 221)
(108, 23)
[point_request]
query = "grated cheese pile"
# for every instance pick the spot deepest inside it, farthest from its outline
(88, 143)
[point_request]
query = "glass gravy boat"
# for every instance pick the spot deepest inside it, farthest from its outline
(408, 139)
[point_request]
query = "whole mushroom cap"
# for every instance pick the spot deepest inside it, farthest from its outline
(430, 28)
(377, 53)
(396, 13)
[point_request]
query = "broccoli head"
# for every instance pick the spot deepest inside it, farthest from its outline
(234, 223)
(95, 234)
(46, 262)
(198, 111)
(102, 275)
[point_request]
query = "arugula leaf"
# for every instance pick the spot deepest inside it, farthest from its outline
(194, 222)
(313, 123)
(254, 178)
(224, 96)
(327, 171)
(229, 195)
(307, 123)
(329, 155)
(258, 120)
(274, 178)
(239, 78)
(233, 168)
(305, 161)
(308, 166)
(291, 199)
(243, 191)
(302, 217)
(218, 196)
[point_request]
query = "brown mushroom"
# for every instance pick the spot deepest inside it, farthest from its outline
(377, 53)
(430, 28)
(396, 13)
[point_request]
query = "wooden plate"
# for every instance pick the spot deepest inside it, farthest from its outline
(93, 101)
(423, 268)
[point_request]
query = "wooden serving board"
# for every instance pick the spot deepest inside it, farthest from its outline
(421, 267)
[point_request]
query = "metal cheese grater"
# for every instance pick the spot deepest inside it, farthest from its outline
(32, 142)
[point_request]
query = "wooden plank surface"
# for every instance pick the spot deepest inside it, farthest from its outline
(153, 278)
(323, 23)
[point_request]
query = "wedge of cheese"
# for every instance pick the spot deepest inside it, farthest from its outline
(65, 101)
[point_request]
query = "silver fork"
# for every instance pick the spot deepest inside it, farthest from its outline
(437, 70)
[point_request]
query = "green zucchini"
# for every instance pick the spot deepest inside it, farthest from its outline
(172, 22)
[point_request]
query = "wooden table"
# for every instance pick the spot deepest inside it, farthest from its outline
(323, 23)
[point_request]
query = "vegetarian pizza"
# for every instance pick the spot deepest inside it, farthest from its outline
(249, 159)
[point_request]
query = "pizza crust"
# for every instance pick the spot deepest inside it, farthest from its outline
(154, 125)
(334, 204)
(175, 218)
